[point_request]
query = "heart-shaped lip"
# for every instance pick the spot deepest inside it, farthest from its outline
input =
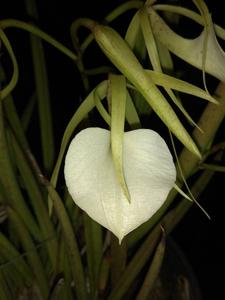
(149, 172)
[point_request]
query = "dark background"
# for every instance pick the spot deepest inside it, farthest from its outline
(201, 240)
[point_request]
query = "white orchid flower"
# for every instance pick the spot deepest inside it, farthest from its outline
(149, 172)
(192, 50)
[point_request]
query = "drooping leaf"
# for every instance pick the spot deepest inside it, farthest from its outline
(117, 50)
(118, 95)
(134, 37)
(101, 109)
(86, 106)
(167, 81)
(131, 114)
(149, 40)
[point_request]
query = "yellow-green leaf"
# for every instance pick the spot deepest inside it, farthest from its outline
(117, 50)
(174, 83)
(118, 95)
(134, 37)
(165, 57)
(101, 109)
(131, 114)
(149, 40)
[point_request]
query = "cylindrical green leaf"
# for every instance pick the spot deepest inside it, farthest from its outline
(131, 113)
(153, 271)
(10, 185)
(86, 106)
(118, 94)
(94, 245)
(37, 201)
(71, 243)
(117, 50)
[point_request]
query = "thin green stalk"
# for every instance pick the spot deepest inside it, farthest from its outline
(104, 274)
(13, 81)
(65, 268)
(11, 113)
(85, 107)
(72, 210)
(80, 64)
(44, 103)
(10, 184)
(121, 9)
(153, 271)
(101, 109)
(81, 48)
(117, 99)
(43, 95)
(94, 245)
(37, 201)
(36, 31)
(71, 243)
(32, 255)
(132, 116)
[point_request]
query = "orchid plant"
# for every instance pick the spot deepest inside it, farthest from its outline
(93, 239)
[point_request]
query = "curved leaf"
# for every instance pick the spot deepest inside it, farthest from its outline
(118, 94)
(86, 106)
(11, 85)
(117, 50)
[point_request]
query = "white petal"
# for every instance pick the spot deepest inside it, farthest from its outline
(191, 50)
(90, 177)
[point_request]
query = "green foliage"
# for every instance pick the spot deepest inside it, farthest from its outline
(47, 245)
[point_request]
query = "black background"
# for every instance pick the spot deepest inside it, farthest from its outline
(202, 240)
